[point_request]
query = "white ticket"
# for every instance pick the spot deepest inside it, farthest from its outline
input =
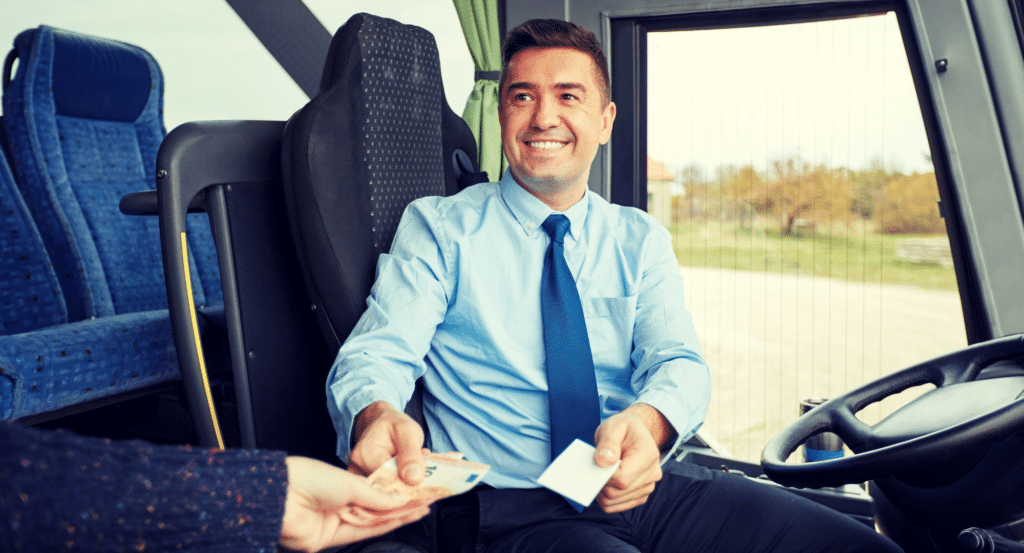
(575, 475)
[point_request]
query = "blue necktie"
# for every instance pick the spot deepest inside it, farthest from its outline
(572, 385)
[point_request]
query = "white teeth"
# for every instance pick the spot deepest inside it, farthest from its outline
(544, 145)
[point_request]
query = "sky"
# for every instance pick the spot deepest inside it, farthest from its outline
(837, 92)
(213, 66)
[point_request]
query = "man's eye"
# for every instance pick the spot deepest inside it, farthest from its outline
(521, 97)
(568, 96)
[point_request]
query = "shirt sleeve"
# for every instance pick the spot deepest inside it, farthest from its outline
(383, 356)
(670, 373)
(61, 491)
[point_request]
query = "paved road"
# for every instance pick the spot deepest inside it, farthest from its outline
(772, 339)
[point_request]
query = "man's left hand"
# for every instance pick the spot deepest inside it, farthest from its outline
(630, 436)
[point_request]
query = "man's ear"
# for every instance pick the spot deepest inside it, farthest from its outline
(607, 120)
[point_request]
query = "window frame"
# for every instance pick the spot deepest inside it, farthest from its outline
(626, 41)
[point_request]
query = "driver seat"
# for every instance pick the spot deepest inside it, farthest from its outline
(378, 135)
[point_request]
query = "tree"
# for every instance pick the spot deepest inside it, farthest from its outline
(742, 182)
(796, 190)
(909, 206)
(867, 186)
(691, 175)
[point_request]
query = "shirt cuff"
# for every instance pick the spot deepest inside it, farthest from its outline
(683, 422)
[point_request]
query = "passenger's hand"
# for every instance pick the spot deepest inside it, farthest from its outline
(319, 493)
(382, 432)
(630, 436)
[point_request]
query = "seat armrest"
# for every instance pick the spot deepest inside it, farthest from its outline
(139, 203)
(146, 203)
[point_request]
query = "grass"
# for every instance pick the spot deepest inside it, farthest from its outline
(847, 254)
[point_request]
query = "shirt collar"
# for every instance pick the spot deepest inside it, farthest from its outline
(530, 212)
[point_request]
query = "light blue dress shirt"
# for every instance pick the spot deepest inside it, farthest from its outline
(457, 302)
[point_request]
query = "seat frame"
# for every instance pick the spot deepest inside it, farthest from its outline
(231, 170)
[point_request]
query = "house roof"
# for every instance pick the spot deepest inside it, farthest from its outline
(656, 171)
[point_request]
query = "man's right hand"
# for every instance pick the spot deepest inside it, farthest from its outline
(382, 432)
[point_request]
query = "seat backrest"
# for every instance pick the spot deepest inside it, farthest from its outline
(378, 135)
(84, 121)
(30, 297)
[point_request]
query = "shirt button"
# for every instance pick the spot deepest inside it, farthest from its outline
(531, 226)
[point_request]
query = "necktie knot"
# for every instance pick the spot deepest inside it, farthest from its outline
(556, 225)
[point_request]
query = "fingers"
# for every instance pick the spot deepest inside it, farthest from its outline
(389, 433)
(622, 482)
(608, 441)
(348, 533)
(362, 518)
(327, 506)
(328, 487)
(633, 499)
(369, 498)
(614, 499)
(625, 437)
(636, 463)
(411, 466)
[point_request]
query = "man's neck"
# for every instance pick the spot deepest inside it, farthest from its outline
(559, 199)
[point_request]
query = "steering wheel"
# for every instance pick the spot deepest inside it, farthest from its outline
(942, 430)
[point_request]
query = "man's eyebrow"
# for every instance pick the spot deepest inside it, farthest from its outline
(570, 86)
(523, 85)
(526, 85)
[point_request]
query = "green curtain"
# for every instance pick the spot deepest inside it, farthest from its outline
(479, 19)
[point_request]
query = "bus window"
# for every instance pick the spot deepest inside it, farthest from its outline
(790, 164)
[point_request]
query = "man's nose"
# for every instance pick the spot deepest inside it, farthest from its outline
(545, 114)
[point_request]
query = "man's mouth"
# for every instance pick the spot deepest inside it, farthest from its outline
(545, 144)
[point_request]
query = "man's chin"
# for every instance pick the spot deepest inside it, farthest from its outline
(542, 185)
(541, 181)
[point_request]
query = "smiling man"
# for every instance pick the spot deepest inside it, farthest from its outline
(536, 313)
(554, 115)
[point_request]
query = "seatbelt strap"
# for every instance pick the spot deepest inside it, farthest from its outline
(292, 34)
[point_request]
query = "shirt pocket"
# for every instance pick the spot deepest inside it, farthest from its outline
(610, 307)
(610, 329)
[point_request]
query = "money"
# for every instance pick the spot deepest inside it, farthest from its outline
(447, 474)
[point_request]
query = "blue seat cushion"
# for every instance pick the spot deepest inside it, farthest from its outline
(45, 370)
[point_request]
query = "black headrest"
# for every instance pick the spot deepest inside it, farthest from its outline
(459, 144)
(354, 157)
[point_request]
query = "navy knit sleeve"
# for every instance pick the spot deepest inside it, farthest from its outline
(60, 491)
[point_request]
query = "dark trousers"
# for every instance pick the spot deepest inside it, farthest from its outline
(692, 509)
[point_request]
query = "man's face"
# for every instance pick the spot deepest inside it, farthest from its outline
(553, 119)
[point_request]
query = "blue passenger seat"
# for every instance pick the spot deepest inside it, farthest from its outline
(83, 122)
(84, 119)
(46, 363)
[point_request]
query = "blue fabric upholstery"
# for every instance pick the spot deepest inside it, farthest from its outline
(30, 297)
(83, 302)
(45, 370)
(84, 121)
(46, 363)
(90, 70)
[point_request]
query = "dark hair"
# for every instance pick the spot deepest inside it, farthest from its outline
(555, 33)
